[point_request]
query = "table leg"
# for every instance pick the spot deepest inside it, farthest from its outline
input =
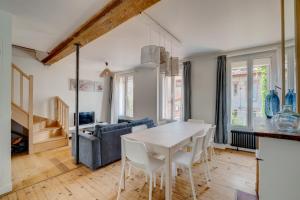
(168, 175)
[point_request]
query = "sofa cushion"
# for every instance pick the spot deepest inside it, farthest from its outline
(114, 127)
(109, 128)
(139, 121)
(124, 120)
(147, 121)
(111, 145)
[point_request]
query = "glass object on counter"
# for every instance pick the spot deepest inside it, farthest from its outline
(272, 104)
(290, 99)
(287, 120)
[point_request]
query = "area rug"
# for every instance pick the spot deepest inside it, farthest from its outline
(240, 195)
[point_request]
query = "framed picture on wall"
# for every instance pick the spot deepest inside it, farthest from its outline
(84, 85)
(98, 87)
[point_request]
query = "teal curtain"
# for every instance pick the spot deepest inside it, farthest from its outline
(187, 88)
(221, 136)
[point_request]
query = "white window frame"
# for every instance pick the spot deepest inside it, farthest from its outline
(249, 58)
(126, 75)
(172, 97)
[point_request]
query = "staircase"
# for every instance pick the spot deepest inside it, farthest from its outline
(43, 133)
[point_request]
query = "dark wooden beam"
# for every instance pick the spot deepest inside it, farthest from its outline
(77, 47)
(110, 16)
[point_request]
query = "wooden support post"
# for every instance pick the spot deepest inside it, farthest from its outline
(282, 54)
(12, 85)
(21, 92)
(77, 45)
(297, 45)
(30, 115)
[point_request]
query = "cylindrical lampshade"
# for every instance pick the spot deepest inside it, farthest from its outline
(173, 68)
(164, 61)
(150, 55)
(163, 55)
(106, 73)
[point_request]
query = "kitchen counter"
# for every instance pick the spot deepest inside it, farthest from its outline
(278, 164)
(269, 131)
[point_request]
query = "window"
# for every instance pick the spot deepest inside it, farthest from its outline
(250, 80)
(290, 63)
(171, 97)
(126, 95)
(239, 103)
(235, 90)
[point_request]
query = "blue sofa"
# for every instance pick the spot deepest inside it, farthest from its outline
(104, 146)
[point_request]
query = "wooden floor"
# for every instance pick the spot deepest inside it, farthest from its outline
(52, 175)
(30, 169)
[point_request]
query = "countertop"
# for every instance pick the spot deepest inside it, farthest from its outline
(268, 130)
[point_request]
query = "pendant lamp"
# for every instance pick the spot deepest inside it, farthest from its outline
(173, 67)
(164, 60)
(150, 54)
(106, 72)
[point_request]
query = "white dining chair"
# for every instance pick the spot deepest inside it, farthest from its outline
(137, 155)
(134, 130)
(207, 140)
(199, 121)
(211, 143)
(187, 159)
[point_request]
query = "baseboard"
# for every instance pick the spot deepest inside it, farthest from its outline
(228, 146)
(220, 146)
(241, 149)
(6, 188)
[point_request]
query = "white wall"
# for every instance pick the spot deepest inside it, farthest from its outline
(145, 93)
(5, 98)
(51, 81)
(204, 70)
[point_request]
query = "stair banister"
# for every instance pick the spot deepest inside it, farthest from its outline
(29, 111)
(62, 114)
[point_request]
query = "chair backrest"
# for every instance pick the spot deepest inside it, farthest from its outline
(138, 128)
(209, 135)
(136, 152)
(196, 121)
(197, 149)
(212, 137)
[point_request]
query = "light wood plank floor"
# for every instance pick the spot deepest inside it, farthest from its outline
(30, 169)
(52, 175)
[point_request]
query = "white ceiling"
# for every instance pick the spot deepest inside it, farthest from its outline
(201, 25)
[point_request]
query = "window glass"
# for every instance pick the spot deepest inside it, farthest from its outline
(129, 96)
(126, 96)
(239, 101)
(177, 97)
(171, 97)
(166, 97)
(260, 85)
(121, 96)
(250, 80)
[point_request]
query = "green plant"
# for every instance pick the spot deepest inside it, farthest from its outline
(263, 86)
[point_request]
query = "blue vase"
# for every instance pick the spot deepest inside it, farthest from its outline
(272, 104)
(290, 99)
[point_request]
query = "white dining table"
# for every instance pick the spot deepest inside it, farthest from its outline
(166, 140)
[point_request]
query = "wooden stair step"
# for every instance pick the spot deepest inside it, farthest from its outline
(54, 128)
(46, 133)
(49, 139)
(50, 143)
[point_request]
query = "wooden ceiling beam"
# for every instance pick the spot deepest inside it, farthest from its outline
(110, 16)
